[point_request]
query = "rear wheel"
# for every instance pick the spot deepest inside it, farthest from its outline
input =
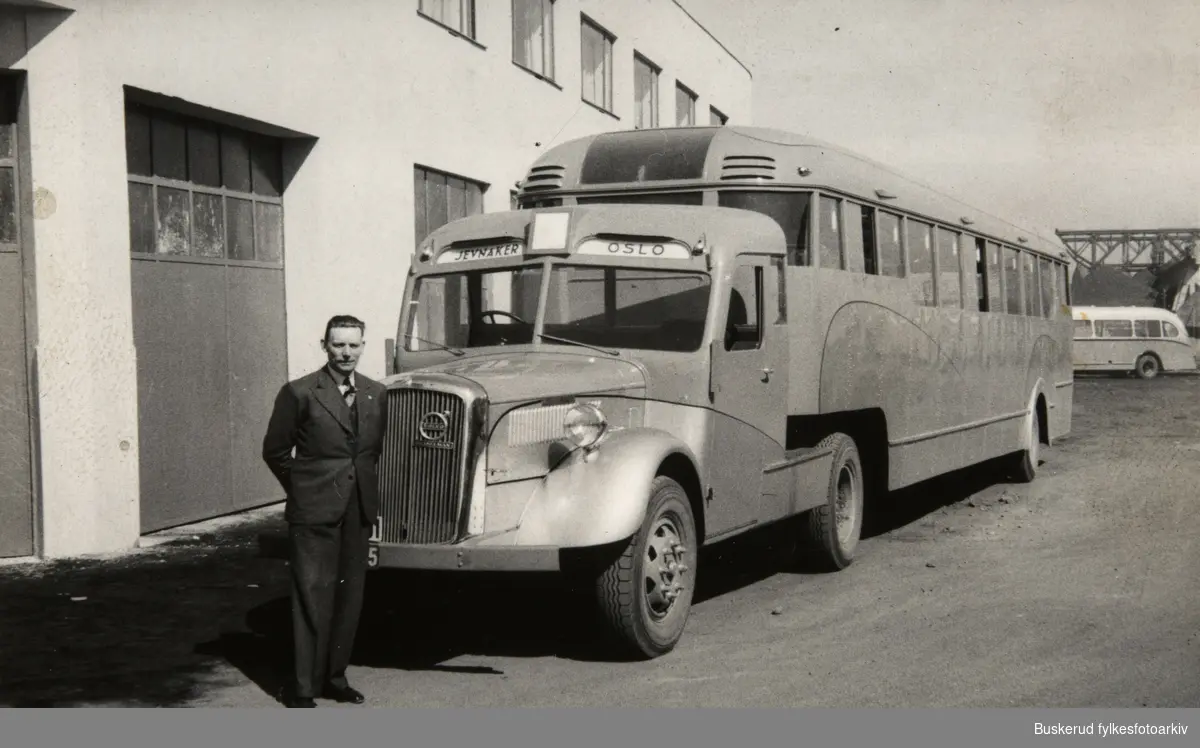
(645, 595)
(1027, 461)
(830, 532)
(1146, 366)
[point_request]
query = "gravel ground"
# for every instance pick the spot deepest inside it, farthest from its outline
(1076, 590)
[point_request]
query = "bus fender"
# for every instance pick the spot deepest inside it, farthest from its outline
(599, 496)
(1039, 387)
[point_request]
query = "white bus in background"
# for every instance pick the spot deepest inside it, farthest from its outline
(1144, 340)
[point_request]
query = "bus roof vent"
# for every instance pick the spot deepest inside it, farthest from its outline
(544, 179)
(747, 167)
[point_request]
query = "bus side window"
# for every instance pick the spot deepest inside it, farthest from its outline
(981, 275)
(1153, 328)
(854, 224)
(870, 265)
(891, 259)
(1170, 330)
(830, 234)
(742, 329)
(789, 209)
(1141, 329)
(1083, 328)
(918, 237)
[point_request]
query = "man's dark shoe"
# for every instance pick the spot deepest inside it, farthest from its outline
(299, 702)
(344, 695)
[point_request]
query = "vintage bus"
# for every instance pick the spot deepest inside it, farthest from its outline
(685, 334)
(1139, 339)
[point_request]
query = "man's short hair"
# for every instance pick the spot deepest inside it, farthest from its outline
(344, 320)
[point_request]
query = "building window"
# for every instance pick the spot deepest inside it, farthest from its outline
(439, 198)
(456, 15)
(715, 118)
(533, 36)
(645, 93)
(685, 106)
(198, 189)
(596, 59)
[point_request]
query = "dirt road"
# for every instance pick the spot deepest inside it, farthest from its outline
(1077, 590)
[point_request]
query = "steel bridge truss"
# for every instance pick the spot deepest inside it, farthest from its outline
(1131, 250)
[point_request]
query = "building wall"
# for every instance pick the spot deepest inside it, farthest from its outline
(379, 87)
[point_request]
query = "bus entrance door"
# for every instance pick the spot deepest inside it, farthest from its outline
(748, 392)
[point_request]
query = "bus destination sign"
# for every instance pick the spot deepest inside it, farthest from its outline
(646, 250)
(488, 252)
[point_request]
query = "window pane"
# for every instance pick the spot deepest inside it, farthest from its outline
(456, 199)
(949, 272)
(474, 199)
(435, 200)
(685, 107)
(789, 209)
(268, 231)
(208, 223)
(1064, 292)
(1083, 328)
(240, 228)
(994, 269)
(853, 237)
(1012, 281)
(204, 156)
(533, 35)
(831, 234)
(1114, 328)
(1140, 329)
(235, 161)
(169, 148)
(645, 83)
(918, 236)
(1046, 279)
(974, 283)
(137, 143)
(1029, 275)
(8, 205)
(174, 221)
(141, 218)
(891, 260)
(420, 207)
(6, 141)
(266, 167)
(1170, 330)
(1154, 328)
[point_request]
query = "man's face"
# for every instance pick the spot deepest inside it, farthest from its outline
(344, 346)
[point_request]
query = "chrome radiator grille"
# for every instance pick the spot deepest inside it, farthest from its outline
(421, 467)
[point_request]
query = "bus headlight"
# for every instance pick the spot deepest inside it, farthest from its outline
(585, 424)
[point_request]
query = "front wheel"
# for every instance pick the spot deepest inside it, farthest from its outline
(1027, 460)
(645, 595)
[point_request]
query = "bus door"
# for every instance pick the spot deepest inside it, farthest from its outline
(748, 388)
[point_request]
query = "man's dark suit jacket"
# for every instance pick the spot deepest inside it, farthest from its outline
(331, 461)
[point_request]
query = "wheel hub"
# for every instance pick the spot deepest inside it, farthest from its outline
(664, 575)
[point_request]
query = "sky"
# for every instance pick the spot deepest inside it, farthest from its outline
(1057, 114)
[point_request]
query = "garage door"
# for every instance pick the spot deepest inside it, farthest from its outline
(206, 242)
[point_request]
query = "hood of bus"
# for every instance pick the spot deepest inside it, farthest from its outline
(523, 376)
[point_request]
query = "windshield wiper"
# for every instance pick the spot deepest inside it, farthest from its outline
(455, 351)
(568, 341)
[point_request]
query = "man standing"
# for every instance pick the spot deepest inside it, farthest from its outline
(335, 421)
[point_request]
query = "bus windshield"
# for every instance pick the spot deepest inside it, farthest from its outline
(608, 307)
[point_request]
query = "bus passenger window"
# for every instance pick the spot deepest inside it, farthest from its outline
(1170, 330)
(1064, 286)
(1083, 328)
(919, 242)
(1029, 276)
(742, 330)
(789, 209)
(949, 284)
(1153, 328)
(1012, 281)
(1141, 329)
(1047, 286)
(981, 276)
(995, 270)
(891, 259)
(831, 234)
(1114, 328)
(852, 213)
(868, 241)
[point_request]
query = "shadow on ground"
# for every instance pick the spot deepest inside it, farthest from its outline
(161, 627)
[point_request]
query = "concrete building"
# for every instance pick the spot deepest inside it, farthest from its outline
(189, 190)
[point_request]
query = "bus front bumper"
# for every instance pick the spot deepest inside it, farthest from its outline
(464, 557)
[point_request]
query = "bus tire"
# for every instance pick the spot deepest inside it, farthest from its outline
(645, 595)
(1026, 463)
(1147, 366)
(831, 531)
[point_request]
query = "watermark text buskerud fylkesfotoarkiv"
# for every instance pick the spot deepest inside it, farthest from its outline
(1106, 729)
